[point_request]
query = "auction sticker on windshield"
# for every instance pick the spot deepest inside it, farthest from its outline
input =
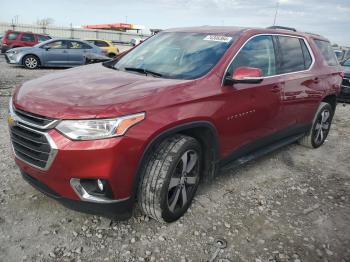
(218, 38)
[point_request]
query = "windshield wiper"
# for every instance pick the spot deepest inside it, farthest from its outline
(143, 71)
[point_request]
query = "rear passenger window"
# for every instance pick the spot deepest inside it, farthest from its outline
(306, 53)
(101, 44)
(259, 53)
(292, 58)
(327, 52)
(27, 38)
(43, 38)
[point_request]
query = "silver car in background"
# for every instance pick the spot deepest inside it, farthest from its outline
(56, 53)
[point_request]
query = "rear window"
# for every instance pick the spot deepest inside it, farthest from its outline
(292, 58)
(12, 36)
(101, 44)
(28, 38)
(327, 52)
(43, 38)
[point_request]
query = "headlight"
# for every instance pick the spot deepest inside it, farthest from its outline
(98, 128)
(13, 51)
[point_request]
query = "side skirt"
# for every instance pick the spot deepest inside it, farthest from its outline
(259, 153)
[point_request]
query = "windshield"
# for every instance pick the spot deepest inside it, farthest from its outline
(176, 55)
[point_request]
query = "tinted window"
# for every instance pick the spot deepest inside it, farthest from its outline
(347, 63)
(259, 53)
(12, 36)
(28, 38)
(101, 44)
(327, 52)
(292, 59)
(78, 45)
(306, 53)
(60, 44)
(43, 38)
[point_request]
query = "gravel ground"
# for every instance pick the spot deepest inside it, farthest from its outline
(292, 205)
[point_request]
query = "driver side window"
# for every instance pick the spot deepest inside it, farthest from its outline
(57, 45)
(259, 53)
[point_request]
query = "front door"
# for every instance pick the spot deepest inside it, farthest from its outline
(55, 53)
(254, 109)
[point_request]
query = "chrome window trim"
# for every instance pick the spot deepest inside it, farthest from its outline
(273, 34)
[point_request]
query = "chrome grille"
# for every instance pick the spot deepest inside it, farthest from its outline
(30, 146)
(33, 119)
(30, 142)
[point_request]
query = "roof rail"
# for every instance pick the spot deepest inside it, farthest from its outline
(282, 27)
(312, 34)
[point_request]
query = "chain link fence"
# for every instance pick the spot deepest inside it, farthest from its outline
(71, 32)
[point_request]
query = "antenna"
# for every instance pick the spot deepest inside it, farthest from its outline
(277, 6)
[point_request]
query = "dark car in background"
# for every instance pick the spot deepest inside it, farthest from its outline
(345, 86)
(56, 53)
(13, 39)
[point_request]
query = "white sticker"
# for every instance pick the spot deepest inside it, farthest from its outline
(218, 38)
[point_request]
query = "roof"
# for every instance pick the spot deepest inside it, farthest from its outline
(233, 30)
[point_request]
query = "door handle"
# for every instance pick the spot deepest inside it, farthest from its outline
(276, 89)
(64, 51)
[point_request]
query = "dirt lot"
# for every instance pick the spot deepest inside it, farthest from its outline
(292, 205)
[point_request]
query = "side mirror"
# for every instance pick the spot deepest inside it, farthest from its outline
(47, 47)
(244, 75)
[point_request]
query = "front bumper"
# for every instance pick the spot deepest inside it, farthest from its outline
(12, 58)
(120, 210)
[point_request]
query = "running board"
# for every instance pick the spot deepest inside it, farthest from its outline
(261, 152)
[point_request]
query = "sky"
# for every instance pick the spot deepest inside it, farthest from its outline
(328, 18)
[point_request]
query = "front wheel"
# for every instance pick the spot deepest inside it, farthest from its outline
(31, 62)
(320, 127)
(171, 178)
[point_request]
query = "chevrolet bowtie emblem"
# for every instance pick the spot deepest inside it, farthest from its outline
(10, 121)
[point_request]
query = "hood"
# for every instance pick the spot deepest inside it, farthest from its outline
(346, 70)
(91, 91)
(20, 49)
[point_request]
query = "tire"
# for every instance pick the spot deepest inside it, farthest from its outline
(320, 127)
(31, 62)
(166, 191)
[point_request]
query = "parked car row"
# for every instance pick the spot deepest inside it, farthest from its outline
(36, 50)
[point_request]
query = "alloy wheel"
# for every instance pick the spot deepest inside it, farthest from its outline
(322, 127)
(183, 181)
(31, 62)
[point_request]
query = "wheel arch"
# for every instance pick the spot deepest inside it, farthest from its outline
(332, 100)
(24, 56)
(204, 131)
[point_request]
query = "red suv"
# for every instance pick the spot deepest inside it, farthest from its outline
(14, 39)
(149, 125)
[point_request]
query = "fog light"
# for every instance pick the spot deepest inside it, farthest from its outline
(100, 184)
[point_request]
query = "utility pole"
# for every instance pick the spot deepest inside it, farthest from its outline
(277, 6)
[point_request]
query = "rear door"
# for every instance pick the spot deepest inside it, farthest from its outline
(55, 53)
(27, 39)
(77, 52)
(295, 67)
